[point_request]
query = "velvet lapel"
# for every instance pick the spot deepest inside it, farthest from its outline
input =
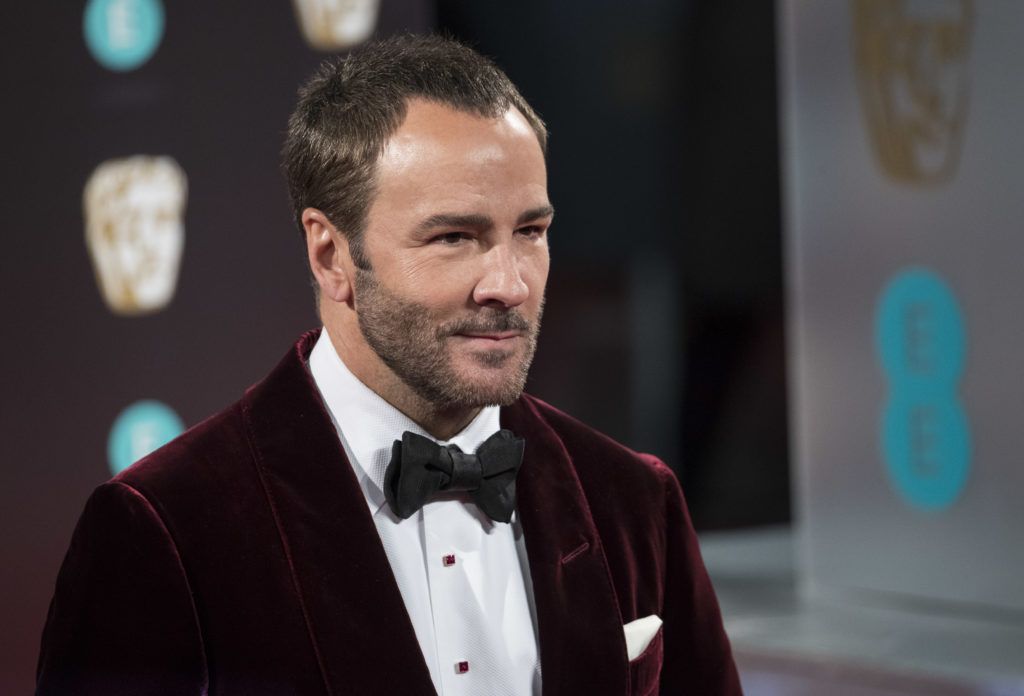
(357, 621)
(582, 646)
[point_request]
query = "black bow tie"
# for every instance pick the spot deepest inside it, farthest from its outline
(420, 467)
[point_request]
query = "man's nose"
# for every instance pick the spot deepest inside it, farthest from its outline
(502, 282)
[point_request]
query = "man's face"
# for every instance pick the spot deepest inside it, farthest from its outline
(457, 241)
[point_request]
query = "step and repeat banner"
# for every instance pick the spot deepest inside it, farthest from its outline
(903, 208)
(151, 266)
(135, 202)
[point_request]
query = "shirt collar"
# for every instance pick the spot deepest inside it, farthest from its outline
(368, 425)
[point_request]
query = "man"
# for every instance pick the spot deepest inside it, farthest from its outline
(367, 520)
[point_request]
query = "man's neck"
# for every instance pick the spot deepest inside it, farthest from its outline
(442, 425)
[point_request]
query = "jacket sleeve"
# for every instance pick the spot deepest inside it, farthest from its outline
(697, 657)
(122, 619)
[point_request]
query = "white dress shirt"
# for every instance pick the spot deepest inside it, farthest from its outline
(464, 578)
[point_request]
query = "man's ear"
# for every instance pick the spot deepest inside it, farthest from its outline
(329, 257)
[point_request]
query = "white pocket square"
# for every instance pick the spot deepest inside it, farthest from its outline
(639, 634)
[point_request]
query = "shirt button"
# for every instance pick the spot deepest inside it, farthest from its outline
(448, 559)
(461, 667)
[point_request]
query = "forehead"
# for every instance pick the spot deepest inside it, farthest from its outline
(439, 152)
(432, 121)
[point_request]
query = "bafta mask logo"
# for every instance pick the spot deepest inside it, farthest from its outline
(911, 58)
(334, 25)
(135, 231)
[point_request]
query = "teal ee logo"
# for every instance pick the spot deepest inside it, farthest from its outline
(123, 34)
(138, 430)
(925, 437)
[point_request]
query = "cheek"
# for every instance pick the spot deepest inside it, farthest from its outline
(436, 287)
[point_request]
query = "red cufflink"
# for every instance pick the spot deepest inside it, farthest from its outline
(462, 667)
(448, 560)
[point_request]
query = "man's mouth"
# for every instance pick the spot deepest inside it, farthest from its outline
(491, 335)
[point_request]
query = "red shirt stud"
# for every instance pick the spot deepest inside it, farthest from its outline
(462, 667)
(448, 560)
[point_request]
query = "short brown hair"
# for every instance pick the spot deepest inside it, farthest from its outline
(352, 105)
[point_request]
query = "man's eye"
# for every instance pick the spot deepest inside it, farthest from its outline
(451, 237)
(532, 231)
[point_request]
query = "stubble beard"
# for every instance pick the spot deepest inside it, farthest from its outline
(409, 341)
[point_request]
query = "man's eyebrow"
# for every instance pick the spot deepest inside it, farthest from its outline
(536, 214)
(473, 220)
(478, 221)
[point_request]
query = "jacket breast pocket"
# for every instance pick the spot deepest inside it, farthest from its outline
(645, 668)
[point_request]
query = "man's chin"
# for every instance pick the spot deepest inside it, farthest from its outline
(483, 386)
(498, 398)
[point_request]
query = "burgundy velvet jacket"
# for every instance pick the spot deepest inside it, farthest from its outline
(241, 558)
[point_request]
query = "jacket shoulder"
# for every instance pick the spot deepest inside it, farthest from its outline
(598, 458)
(214, 451)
